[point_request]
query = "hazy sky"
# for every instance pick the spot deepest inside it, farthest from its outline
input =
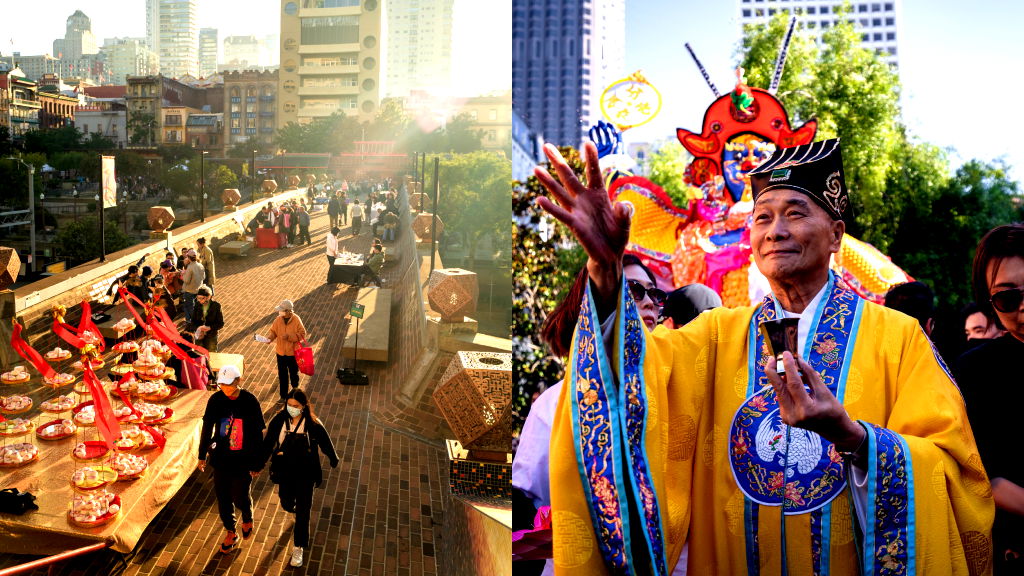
(959, 66)
(481, 51)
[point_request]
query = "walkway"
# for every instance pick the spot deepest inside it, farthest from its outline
(379, 512)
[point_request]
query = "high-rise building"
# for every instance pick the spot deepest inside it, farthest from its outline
(241, 53)
(173, 34)
(419, 47)
(35, 67)
(78, 38)
(563, 57)
(125, 57)
(877, 21)
(330, 59)
(207, 51)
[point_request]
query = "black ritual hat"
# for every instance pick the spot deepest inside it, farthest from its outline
(816, 169)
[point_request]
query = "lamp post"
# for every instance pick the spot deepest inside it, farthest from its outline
(103, 229)
(202, 182)
(74, 194)
(31, 210)
(252, 172)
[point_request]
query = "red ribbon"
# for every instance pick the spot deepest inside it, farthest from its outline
(157, 436)
(167, 333)
(106, 421)
(127, 297)
(67, 333)
(30, 354)
(86, 323)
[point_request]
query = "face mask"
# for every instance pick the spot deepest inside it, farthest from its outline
(293, 411)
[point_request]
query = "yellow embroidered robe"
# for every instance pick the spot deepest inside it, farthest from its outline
(695, 381)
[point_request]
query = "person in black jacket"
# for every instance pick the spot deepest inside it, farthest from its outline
(292, 441)
(207, 320)
(233, 436)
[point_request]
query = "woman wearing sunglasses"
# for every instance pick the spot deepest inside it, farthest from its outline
(990, 377)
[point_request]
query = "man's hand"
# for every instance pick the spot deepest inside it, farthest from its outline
(818, 410)
(600, 228)
(202, 465)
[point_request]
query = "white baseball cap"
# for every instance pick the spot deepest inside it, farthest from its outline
(228, 374)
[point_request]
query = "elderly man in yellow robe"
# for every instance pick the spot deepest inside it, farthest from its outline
(846, 452)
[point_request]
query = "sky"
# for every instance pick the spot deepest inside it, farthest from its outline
(481, 51)
(958, 67)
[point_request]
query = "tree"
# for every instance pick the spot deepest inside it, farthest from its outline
(79, 241)
(333, 134)
(666, 167)
(218, 178)
(541, 273)
(853, 94)
(473, 195)
(53, 140)
(142, 128)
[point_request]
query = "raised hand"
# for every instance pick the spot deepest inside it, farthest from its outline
(817, 410)
(602, 229)
(607, 139)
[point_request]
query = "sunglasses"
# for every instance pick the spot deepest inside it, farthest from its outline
(638, 291)
(1008, 300)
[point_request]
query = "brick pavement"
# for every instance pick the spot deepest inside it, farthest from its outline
(381, 510)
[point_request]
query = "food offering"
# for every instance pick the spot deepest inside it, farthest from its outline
(85, 414)
(94, 509)
(91, 478)
(57, 405)
(126, 347)
(90, 450)
(135, 438)
(58, 380)
(150, 366)
(121, 369)
(156, 348)
(96, 364)
(57, 429)
(58, 353)
(129, 466)
(16, 427)
(15, 404)
(156, 391)
(130, 386)
(125, 325)
(17, 375)
(154, 413)
(15, 455)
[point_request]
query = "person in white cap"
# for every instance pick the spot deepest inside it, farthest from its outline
(286, 333)
(232, 436)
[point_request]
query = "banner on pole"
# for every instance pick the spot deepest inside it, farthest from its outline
(109, 182)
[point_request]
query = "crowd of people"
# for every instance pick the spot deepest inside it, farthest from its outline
(734, 430)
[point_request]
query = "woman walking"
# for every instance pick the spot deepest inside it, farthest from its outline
(293, 438)
(286, 332)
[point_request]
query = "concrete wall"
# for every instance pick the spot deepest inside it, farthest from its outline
(92, 279)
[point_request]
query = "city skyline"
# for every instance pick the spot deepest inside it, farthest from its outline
(481, 32)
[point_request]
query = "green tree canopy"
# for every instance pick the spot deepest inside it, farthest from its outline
(79, 241)
(472, 200)
(666, 166)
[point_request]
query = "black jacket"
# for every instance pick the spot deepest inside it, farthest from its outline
(213, 318)
(318, 439)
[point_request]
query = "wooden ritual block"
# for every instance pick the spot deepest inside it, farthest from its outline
(235, 248)
(374, 327)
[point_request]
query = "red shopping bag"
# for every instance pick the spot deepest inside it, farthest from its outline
(304, 358)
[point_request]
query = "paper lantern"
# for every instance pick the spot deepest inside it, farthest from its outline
(475, 399)
(453, 293)
(269, 186)
(422, 223)
(10, 265)
(230, 197)
(160, 218)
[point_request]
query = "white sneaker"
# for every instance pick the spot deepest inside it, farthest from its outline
(296, 556)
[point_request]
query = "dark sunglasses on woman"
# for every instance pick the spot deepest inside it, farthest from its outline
(638, 291)
(1005, 300)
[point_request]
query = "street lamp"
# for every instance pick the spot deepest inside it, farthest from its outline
(202, 182)
(31, 209)
(252, 173)
(74, 194)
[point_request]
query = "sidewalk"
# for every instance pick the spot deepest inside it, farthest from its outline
(379, 512)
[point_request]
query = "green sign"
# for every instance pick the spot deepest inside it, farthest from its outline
(357, 310)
